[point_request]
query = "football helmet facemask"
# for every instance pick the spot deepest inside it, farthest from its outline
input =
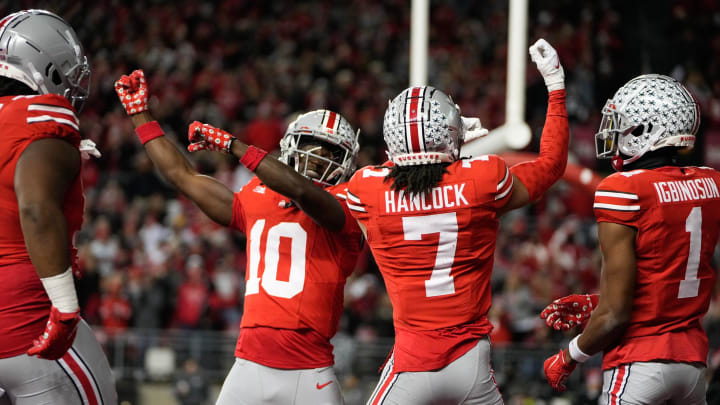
(301, 147)
(422, 125)
(648, 113)
(41, 50)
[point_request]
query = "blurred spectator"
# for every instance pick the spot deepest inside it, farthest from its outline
(190, 386)
(115, 309)
(192, 296)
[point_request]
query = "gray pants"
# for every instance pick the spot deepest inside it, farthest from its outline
(82, 376)
(654, 383)
(467, 380)
(249, 383)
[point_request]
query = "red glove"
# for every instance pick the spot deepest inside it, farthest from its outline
(207, 137)
(567, 312)
(58, 337)
(133, 92)
(557, 370)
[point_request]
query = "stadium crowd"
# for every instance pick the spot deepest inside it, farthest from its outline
(151, 259)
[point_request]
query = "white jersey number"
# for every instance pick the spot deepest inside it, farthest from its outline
(270, 283)
(690, 286)
(440, 282)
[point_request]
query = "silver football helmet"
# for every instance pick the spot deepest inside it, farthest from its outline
(422, 125)
(321, 128)
(41, 50)
(648, 113)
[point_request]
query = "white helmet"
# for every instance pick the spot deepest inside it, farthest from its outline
(422, 125)
(324, 126)
(648, 113)
(41, 50)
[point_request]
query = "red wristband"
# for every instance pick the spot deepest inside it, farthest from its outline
(252, 157)
(149, 131)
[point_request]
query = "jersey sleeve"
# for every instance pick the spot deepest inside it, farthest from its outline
(351, 228)
(505, 183)
(497, 180)
(52, 116)
(238, 216)
(617, 201)
(355, 205)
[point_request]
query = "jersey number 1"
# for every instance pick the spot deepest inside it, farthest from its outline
(690, 286)
(440, 282)
(270, 283)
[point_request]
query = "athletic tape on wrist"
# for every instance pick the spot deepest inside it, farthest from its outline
(575, 352)
(252, 157)
(61, 291)
(149, 131)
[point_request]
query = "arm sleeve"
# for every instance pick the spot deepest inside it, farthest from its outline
(617, 201)
(238, 218)
(539, 174)
(52, 116)
(355, 204)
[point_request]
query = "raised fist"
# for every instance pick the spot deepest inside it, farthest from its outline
(133, 92)
(207, 137)
(548, 63)
(567, 312)
(59, 335)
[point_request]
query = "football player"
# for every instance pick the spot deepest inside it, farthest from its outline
(294, 225)
(48, 354)
(431, 220)
(658, 225)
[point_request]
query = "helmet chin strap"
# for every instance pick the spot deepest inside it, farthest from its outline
(617, 162)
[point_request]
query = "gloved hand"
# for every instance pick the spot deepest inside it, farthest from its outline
(548, 63)
(133, 92)
(558, 369)
(207, 137)
(472, 129)
(567, 312)
(88, 149)
(59, 335)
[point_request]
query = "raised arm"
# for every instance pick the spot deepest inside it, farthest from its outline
(317, 203)
(214, 198)
(533, 178)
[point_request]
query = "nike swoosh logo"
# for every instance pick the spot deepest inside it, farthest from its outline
(321, 386)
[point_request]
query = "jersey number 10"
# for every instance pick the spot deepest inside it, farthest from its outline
(270, 283)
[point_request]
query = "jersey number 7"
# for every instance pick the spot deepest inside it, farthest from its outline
(440, 282)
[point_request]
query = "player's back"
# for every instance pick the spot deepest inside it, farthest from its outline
(676, 211)
(435, 251)
(24, 304)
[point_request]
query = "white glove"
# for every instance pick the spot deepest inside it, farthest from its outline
(87, 148)
(472, 129)
(548, 63)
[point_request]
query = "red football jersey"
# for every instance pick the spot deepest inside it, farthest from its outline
(676, 211)
(24, 305)
(295, 279)
(435, 253)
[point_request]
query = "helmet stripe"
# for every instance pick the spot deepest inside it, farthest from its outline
(6, 21)
(413, 125)
(331, 120)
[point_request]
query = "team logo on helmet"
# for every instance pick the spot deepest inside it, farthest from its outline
(326, 129)
(648, 113)
(422, 125)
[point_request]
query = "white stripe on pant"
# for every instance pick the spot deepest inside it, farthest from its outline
(467, 380)
(654, 383)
